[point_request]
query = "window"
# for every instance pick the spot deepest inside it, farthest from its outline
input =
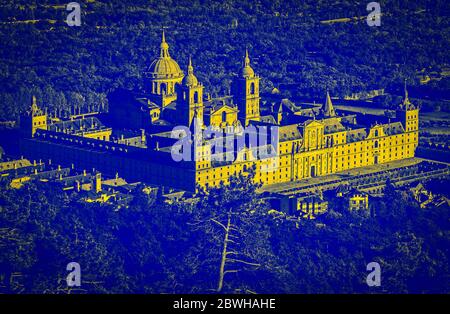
(252, 88)
(163, 88)
(224, 116)
(195, 97)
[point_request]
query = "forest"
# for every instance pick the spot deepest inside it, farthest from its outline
(290, 44)
(154, 247)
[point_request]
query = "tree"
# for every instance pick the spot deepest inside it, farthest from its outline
(232, 221)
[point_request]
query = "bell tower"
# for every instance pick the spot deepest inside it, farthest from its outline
(245, 89)
(33, 119)
(190, 98)
(408, 114)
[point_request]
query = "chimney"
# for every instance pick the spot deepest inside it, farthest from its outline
(98, 182)
(143, 139)
(77, 186)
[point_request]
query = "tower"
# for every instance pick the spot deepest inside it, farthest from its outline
(408, 114)
(33, 119)
(190, 98)
(162, 76)
(245, 90)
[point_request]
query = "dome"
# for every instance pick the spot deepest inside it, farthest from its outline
(248, 72)
(164, 66)
(190, 79)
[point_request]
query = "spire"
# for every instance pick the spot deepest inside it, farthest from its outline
(406, 97)
(328, 110)
(247, 70)
(164, 46)
(34, 107)
(190, 67)
(246, 59)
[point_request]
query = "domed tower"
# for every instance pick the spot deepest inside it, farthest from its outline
(190, 98)
(245, 89)
(162, 76)
(33, 119)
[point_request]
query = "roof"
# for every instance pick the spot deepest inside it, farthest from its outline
(215, 104)
(332, 125)
(76, 126)
(289, 132)
(356, 135)
(14, 164)
(268, 119)
(114, 182)
(393, 128)
(287, 104)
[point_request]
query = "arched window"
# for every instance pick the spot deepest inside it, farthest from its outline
(163, 88)
(252, 88)
(375, 144)
(376, 132)
(195, 97)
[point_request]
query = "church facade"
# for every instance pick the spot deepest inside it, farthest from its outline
(310, 141)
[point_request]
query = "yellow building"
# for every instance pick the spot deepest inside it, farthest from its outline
(305, 142)
(311, 207)
(324, 146)
(358, 200)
